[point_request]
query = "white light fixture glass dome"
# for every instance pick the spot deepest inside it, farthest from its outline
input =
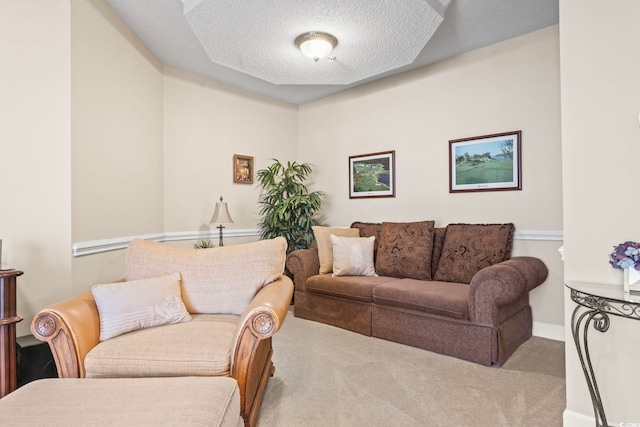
(316, 44)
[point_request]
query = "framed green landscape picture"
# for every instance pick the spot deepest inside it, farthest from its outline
(372, 175)
(486, 163)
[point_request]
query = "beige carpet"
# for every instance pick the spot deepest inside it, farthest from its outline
(326, 376)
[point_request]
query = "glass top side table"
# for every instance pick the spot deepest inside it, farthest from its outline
(595, 303)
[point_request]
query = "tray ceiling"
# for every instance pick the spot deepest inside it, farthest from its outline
(250, 44)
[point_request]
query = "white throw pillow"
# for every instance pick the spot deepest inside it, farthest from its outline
(353, 256)
(129, 306)
(325, 251)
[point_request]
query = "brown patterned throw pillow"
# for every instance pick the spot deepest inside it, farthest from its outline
(468, 248)
(405, 250)
(368, 229)
(438, 242)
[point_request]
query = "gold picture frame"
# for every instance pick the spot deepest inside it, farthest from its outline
(242, 169)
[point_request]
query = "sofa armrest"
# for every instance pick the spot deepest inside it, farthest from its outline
(303, 264)
(265, 314)
(501, 284)
(251, 363)
(72, 329)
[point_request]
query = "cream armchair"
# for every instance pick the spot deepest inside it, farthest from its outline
(217, 344)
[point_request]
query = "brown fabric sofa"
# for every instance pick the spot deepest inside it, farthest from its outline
(461, 294)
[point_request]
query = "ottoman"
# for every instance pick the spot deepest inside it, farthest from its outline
(174, 401)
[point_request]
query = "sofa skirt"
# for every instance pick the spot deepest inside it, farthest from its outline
(486, 345)
(346, 314)
(459, 339)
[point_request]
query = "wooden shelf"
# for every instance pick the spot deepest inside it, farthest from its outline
(8, 319)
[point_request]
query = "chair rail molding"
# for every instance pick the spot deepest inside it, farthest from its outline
(106, 245)
(544, 235)
(92, 247)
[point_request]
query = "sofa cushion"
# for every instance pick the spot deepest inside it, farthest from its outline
(468, 248)
(140, 402)
(356, 288)
(441, 298)
(325, 247)
(405, 250)
(214, 280)
(201, 347)
(353, 256)
(128, 306)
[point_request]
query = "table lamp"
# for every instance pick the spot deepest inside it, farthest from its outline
(221, 216)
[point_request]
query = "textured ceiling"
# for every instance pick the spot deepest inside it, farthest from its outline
(366, 31)
(250, 43)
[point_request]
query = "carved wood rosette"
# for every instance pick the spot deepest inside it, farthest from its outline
(251, 361)
(47, 326)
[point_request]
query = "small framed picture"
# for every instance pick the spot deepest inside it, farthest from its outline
(372, 175)
(486, 163)
(242, 169)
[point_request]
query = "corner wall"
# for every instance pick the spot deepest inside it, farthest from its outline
(117, 140)
(35, 150)
(83, 145)
(601, 147)
(513, 85)
(205, 124)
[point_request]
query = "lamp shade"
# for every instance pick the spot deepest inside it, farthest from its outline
(221, 214)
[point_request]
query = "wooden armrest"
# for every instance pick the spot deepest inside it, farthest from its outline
(251, 363)
(264, 315)
(72, 329)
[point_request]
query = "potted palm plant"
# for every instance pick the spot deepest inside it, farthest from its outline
(288, 209)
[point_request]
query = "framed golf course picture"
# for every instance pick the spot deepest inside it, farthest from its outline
(486, 163)
(372, 175)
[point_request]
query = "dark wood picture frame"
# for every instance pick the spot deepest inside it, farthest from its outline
(486, 163)
(372, 175)
(242, 169)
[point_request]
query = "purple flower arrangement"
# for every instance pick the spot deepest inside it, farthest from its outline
(625, 255)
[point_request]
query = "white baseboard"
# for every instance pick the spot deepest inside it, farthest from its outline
(574, 419)
(548, 330)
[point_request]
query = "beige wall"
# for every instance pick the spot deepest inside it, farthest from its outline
(514, 85)
(205, 124)
(35, 144)
(600, 135)
(117, 151)
(116, 110)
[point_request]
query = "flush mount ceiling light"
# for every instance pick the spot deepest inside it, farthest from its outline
(316, 44)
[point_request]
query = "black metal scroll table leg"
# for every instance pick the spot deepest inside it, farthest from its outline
(601, 324)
